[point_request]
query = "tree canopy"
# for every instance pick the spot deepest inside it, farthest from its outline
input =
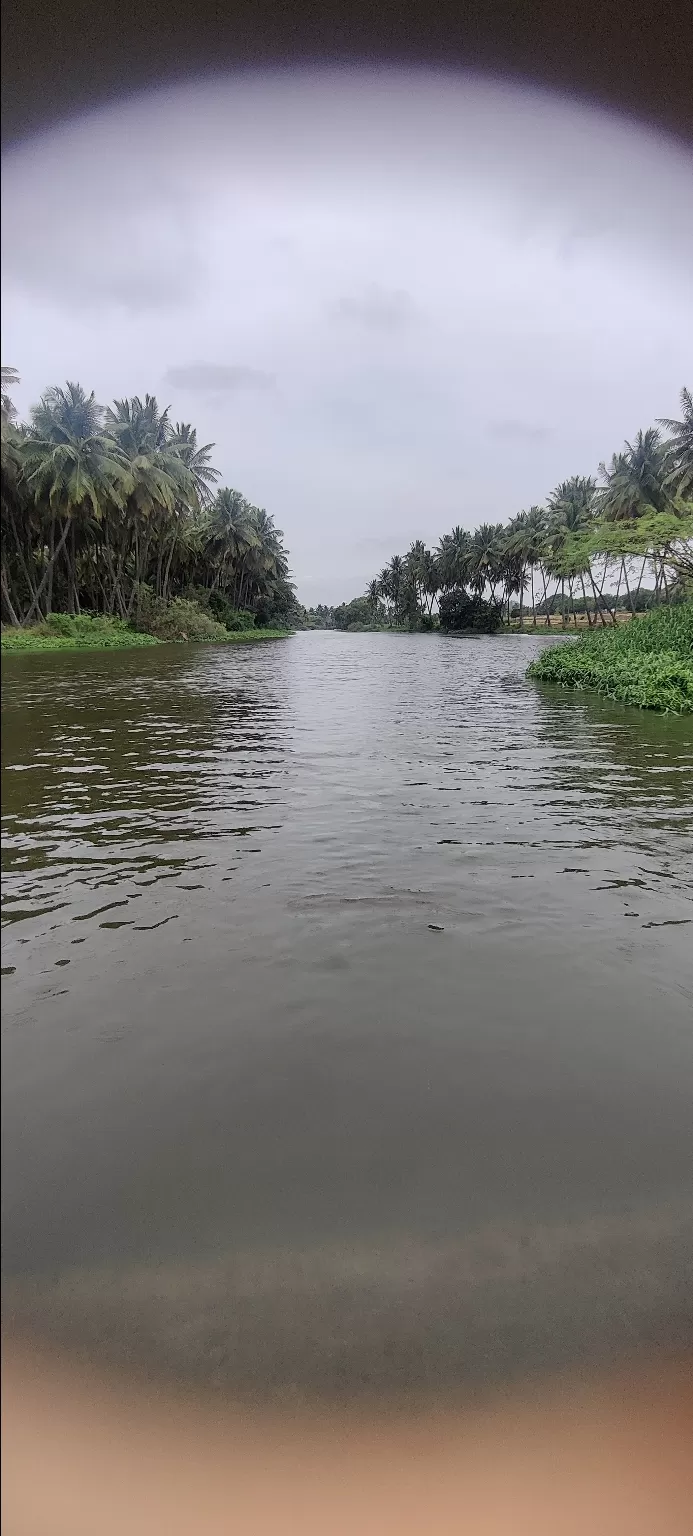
(106, 509)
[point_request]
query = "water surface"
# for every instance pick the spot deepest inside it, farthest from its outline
(348, 996)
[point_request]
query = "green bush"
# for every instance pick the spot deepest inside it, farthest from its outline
(357, 613)
(459, 612)
(181, 619)
(66, 624)
(80, 632)
(233, 619)
(647, 662)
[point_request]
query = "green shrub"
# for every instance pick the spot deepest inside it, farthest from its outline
(233, 619)
(62, 624)
(181, 619)
(80, 632)
(647, 662)
(459, 611)
(356, 613)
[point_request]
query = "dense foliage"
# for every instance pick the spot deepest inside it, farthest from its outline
(115, 511)
(461, 611)
(589, 550)
(648, 663)
(79, 632)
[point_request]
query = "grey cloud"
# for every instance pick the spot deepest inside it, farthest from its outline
(217, 378)
(521, 430)
(139, 291)
(378, 309)
(135, 251)
(81, 280)
(399, 540)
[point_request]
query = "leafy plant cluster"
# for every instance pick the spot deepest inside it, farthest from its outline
(648, 663)
(79, 632)
(115, 511)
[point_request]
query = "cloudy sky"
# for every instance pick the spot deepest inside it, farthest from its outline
(393, 302)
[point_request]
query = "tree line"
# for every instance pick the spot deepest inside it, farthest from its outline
(106, 509)
(589, 549)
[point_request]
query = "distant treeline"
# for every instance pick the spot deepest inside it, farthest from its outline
(619, 540)
(641, 601)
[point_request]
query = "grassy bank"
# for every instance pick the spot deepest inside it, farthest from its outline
(648, 663)
(243, 636)
(62, 632)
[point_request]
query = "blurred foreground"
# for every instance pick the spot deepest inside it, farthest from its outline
(87, 1454)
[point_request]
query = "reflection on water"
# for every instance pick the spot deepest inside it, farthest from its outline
(129, 766)
(228, 1022)
(123, 773)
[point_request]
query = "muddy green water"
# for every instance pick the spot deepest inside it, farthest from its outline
(262, 1121)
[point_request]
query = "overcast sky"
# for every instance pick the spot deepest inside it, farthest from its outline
(393, 302)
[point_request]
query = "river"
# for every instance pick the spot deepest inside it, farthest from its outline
(348, 1000)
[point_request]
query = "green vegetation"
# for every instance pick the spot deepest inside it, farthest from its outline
(648, 663)
(588, 551)
(356, 615)
(113, 513)
(181, 620)
(65, 632)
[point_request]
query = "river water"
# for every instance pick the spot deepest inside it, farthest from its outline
(348, 1002)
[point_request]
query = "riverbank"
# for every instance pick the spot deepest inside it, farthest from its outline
(648, 663)
(62, 632)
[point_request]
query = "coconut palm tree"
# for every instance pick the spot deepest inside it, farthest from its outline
(396, 579)
(230, 534)
(454, 551)
(571, 512)
(373, 595)
(20, 527)
(637, 484)
(63, 415)
(678, 451)
(484, 565)
(72, 473)
(10, 377)
(196, 459)
(161, 492)
(635, 481)
(526, 541)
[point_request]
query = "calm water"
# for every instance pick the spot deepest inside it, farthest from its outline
(262, 1120)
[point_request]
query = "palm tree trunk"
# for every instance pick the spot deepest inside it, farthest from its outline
(168, 568)
(30, 583)
(71, 563)
(547, 616)
(627, 587)
(642, 573)
(572, 602)
(599, 593)
(47, 578)
(584, 599)
(51, 563)
(8, 600)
